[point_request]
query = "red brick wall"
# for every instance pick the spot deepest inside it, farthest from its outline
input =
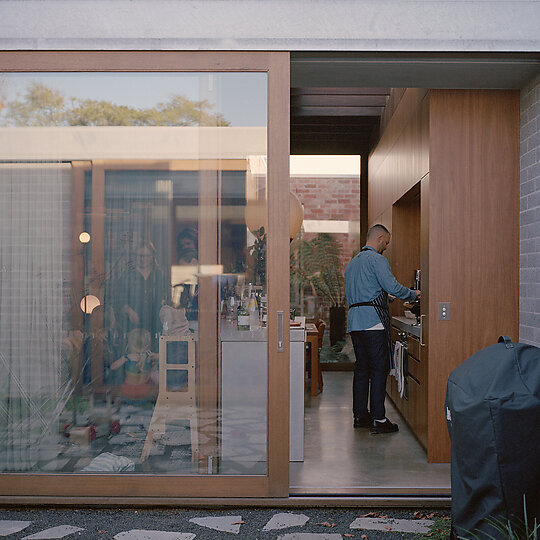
(334, 198)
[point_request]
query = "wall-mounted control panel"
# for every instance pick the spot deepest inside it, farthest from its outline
(444, 311)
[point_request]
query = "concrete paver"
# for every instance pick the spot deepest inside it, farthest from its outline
(10, 526)
(54, 532)
(285, 520)
(230, 524)
(419, 526)
(138, 534)
(311, 536)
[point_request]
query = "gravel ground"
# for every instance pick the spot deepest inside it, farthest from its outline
(104, 524)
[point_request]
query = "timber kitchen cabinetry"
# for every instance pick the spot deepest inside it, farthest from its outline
(417, 389)
(444, 179)
(412, 401)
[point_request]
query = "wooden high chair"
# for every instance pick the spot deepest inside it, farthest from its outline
(174, 404)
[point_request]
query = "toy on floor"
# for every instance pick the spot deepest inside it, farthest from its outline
(100, 423)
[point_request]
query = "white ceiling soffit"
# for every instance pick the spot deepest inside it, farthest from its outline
(287, 25)
(493, 71)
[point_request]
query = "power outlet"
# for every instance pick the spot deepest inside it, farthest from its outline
(444, 311)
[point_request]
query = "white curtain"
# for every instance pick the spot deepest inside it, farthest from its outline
(138, 212)
(35, 283)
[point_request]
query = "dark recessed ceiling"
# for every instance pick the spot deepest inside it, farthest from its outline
(337, 98)
(413, 70)
(335, 120)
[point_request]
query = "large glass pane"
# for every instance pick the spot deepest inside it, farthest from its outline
(132, 279)
(328, 187)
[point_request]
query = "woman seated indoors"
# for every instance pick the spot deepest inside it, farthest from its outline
(139, 364)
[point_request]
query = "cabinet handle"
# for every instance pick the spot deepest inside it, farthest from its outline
(422, 331)
(280, 331)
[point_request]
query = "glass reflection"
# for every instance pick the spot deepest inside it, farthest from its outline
(124, 258)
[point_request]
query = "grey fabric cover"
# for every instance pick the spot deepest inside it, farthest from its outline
(493, 417)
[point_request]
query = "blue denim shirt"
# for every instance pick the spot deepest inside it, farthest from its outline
(366, 276)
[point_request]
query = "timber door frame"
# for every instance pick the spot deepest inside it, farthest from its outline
(140, 487)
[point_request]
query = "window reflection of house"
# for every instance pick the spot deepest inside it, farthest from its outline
(121, 202)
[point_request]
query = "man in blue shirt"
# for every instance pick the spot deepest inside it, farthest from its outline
(368, 282)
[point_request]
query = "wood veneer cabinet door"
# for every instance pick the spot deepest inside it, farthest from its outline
(417, 417)
(418, 390)
(467, 160)
(473, 235)
(213, 153)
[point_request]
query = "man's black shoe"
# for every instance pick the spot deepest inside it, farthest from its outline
(383, 427)
(363, 422)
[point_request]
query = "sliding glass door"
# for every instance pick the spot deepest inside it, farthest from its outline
(139, 350)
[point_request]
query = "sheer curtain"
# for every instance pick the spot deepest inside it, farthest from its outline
(138, 221)
(35, 224)
(138, 209)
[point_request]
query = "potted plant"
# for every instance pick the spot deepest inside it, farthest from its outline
(315, 263)
(257, 251)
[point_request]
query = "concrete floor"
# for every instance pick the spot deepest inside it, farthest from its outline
(341, 460)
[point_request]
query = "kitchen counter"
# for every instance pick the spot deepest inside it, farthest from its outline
(229, 332)
(244, 385)
(406, 324)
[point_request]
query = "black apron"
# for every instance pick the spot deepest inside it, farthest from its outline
(381, 306)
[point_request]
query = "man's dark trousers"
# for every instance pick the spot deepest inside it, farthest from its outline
(370, 372)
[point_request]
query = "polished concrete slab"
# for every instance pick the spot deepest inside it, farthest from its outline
(341, 460)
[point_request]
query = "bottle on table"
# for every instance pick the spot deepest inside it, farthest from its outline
(264, 311)
(242, 317)
(231, 309)
(253, 310)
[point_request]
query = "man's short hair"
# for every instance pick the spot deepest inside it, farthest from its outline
(376, 230)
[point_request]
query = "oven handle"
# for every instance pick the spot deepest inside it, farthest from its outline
(402, 338)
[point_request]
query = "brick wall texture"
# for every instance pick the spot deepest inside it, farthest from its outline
(529, 301)
(331, 198)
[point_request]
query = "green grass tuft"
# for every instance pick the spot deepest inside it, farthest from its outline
(440, 530)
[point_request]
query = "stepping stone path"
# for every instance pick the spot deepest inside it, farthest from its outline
(230, 524)
(311, 536)
(8, 526)
(139, 534)
(54, 532)
(285, 520)
(419, 526)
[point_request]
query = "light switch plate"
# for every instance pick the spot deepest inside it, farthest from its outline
(444, 311)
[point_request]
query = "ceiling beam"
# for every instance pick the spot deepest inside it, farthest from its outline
(336, 128)
(344, 140)
(328, 148)
(336, 111)
(355, 90)
(336, 120)
(344, 100)
(329, 129)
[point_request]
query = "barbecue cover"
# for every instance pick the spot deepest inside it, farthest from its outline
(493, 417)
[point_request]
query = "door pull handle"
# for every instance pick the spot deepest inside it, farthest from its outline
(280, 331)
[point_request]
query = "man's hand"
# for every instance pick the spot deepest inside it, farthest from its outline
(417, 294)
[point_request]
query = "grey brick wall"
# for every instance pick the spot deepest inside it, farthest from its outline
(529, 280)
